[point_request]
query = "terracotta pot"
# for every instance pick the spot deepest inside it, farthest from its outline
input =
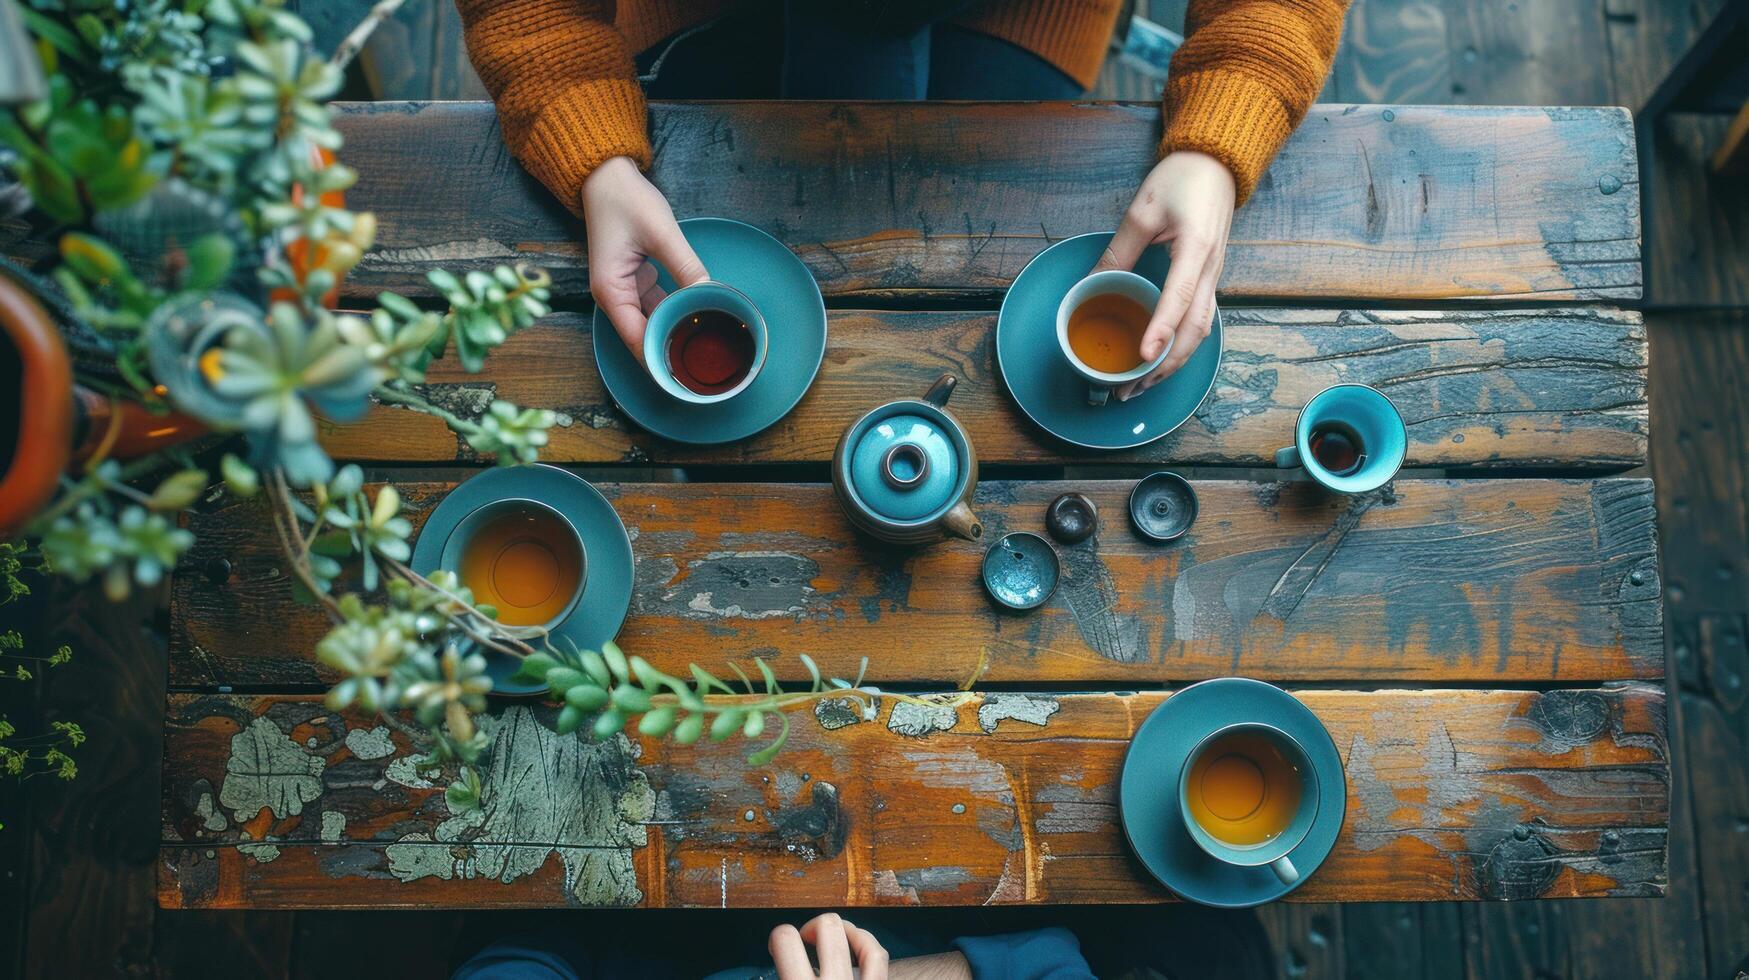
(50, 422)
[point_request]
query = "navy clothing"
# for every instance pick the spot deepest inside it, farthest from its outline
(1042, 954)
(810, 50)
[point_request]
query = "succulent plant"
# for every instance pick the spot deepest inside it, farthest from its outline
(378, 530)
(139, 547)
(486, 309)
(277, 375)
(367, 646)
(513, 435)
(397, 335)
(202, 119)
(451, 689)
(70, 153)
(284, 87)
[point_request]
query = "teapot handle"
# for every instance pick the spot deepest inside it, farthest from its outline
(941, 390)
(961, 522)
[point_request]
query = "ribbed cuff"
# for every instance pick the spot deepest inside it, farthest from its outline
(1229, 115)
(582, 127)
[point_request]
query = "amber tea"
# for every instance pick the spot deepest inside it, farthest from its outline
(1243, 791)
(1105, 332)
(527, 562)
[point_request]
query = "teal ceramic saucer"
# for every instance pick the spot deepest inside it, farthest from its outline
(1148, 790)
(777, 282)
(607, 583)
(1052, 394)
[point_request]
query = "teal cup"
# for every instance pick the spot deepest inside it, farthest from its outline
(1349, 438)
(1273, 852)
(705, 343)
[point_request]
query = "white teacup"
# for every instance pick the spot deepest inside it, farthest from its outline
(1112, 281)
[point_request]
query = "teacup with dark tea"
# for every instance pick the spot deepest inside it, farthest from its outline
(705, 343)
(1349, 438)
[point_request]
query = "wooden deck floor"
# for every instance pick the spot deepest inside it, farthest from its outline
(76, 895)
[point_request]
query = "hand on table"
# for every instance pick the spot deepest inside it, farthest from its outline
(834, 940)
(629, 222)
(1185, 202)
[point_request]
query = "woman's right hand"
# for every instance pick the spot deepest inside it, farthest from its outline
(629, 223)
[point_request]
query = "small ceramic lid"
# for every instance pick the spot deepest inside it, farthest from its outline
(904, 467)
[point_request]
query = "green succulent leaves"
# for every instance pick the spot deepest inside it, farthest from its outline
(602, 691)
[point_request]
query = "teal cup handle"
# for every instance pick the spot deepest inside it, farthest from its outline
(1364, 414)
(1285, 870)
(1098, 394)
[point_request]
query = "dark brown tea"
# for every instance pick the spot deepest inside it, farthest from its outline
(710, 351)
(1337, 448)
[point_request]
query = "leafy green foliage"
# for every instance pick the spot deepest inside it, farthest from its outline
(74, 156)
(604, 689)
(513, 435)
(486, 309)
(181, 142)
(46, 753)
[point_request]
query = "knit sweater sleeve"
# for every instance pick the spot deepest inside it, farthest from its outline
(563, 80)
(1245, 76)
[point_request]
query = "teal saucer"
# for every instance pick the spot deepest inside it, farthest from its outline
(1052, 394)
(777, 282)
(1148, 790)
(607, 577)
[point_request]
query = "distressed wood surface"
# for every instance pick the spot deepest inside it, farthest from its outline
(1555, 387)
(885, 199)
(1005, 799)
(1475, 580)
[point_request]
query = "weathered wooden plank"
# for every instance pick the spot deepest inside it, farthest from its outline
(1405, 202)
(275, 801)
(1559, 388)
(1437, 580)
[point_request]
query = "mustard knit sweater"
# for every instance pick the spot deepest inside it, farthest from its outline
(561, 72)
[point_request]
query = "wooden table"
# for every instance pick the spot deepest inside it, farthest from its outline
(1483, 639)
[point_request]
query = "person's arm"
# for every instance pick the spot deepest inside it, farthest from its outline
(564, 84)
(571, 111)
(1246, 74)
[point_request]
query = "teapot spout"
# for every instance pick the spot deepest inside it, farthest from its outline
(941, 390)
(961, 522)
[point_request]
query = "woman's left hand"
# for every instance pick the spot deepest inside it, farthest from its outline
(1186, 203)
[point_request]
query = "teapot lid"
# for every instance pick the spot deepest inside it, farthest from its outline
(905, 467)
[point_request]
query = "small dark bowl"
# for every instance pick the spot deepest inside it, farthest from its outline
(1072, 518)
(1163, 506)
(1021, 570)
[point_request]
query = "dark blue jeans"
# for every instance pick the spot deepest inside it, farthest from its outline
(807, 49)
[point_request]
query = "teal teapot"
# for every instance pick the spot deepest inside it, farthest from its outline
(905, 471)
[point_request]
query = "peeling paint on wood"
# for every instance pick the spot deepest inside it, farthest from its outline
(586, 801)
(267, 770)
(370, 743)
(1438, 781)
(998, 708)
(915, 720)
(404, 771)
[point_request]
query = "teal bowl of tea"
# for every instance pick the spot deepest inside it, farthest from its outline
(705, 343)
(521, 557)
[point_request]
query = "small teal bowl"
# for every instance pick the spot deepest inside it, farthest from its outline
(679, 305)
(1020, 571)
